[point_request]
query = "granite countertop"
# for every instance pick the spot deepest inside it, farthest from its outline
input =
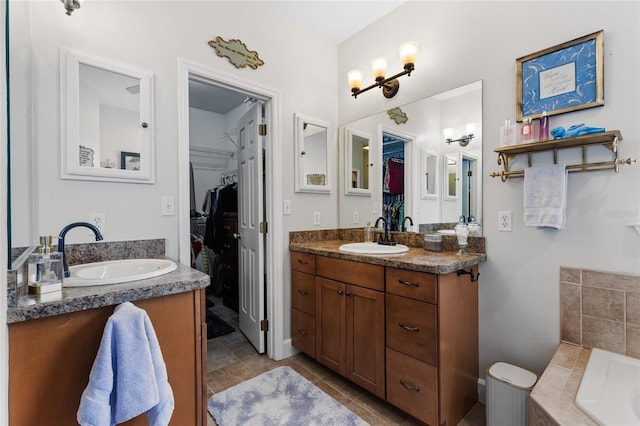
(416, 259)
(82, 298)
(553, 397)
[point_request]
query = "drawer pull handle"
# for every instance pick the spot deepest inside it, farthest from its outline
(303, 262)
(406, 327)
(410, 387)
(303, 332)
(303, 292)
(348, 293)
(401, 281)
(340, 291)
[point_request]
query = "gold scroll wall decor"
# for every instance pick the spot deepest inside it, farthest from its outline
(398, 115)
(237, 52)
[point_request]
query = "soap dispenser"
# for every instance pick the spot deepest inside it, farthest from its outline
(462, 232)
(45, 268)
(368, 233)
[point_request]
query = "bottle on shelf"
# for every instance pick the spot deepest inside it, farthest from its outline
(527, 131)
(508, 134)
(543, 134)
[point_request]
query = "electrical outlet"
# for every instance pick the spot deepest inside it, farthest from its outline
(286, 207)
(356, 218)
(504, 221)
(97, 219)
(316, 218)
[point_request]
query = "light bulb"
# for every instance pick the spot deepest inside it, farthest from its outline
(448, 132)
(470, 127)
(379, 68)
(408, 52)
(355, 79)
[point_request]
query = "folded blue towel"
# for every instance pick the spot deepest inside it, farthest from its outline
(128, 376)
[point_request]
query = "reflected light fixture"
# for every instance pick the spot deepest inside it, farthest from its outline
(70, 5)
(462, 140)
(389, 86)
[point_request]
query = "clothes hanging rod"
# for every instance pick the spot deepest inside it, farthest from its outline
(199, 151)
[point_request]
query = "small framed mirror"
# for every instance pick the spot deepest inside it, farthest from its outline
(429, 175)
(312, 167)
(451, 177)
(107, 120)
(358, 162)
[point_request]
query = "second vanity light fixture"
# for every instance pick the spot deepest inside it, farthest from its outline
(389, 86)
(71, 5)
(462, 140)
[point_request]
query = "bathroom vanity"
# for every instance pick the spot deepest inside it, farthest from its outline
(53, 342)
(404, 327)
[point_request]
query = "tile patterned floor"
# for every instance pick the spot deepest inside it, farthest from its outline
(231, 360)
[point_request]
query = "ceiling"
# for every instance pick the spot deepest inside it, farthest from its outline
(334, 20)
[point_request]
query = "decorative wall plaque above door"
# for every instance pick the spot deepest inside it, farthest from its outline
(237, 53)
(398, 115)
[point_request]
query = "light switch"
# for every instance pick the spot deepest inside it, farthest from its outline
(286, 207)
(167, 205)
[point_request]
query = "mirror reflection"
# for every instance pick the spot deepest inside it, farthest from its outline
(106, 126)
(358, 162)
(434, 186)
(312, 148)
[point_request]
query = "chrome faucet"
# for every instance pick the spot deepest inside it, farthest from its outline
(384, 237)
(62, 234)
(404, 228)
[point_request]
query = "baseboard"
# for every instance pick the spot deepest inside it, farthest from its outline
(482, 391)
(288, 350)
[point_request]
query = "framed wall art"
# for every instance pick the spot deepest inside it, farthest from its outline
(563, 78)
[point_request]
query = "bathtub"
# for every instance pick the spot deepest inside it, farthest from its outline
(610, 389)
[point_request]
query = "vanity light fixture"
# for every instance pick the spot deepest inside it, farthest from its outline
(390, 85)
(71, 5)
(462, 140)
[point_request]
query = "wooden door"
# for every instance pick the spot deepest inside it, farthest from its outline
(330, 324)
(365, 338)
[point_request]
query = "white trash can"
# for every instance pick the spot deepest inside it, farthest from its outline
(508, 389)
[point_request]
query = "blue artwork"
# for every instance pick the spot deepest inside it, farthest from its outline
(563, 80)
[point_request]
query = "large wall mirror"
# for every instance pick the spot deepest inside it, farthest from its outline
(312, 163)
(431, 178)
(107, 124)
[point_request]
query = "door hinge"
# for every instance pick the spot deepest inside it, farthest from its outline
(264, 228)
(262, 129)
(264, 325)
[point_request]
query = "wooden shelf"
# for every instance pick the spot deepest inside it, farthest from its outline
(607, 139)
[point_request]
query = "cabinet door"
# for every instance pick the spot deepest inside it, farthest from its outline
(330, 324)
(365, 338)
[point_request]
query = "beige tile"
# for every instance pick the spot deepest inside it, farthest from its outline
(552, 382)
(603, 303)
(603, 334)
(570, 313)
(570, 275)
(633, 308)
(633, 341)
(566, 355)
(611, 280)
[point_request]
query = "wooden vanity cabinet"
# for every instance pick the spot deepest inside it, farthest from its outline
(303, 302)
(50, 360)
(432, 344)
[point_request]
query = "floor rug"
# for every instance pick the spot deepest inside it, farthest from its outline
(216, 326)
(279, 397)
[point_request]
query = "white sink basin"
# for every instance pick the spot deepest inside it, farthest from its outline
(117, 271)
(373, 248)
(610, 389)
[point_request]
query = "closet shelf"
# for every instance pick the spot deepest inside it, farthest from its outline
(607, 139)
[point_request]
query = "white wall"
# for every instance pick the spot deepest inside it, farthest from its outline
(464, 42)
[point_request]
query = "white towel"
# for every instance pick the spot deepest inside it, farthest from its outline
(545, 196)
(128, 376)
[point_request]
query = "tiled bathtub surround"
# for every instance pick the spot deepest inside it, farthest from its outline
(600, 310)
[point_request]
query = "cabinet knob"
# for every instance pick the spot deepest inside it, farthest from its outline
(236, 235)
(302, 332)
(408, 283)
(340, 291)
(303, 262)
(408, 328)
(410, 386)
(303, 292)
(348, 293)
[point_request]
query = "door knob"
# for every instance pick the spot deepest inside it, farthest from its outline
(236, 235)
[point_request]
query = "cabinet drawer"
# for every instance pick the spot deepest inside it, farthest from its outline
(411, 328)
(416, 285)
(303, 262)
(303, 292)
(347, 271)
(412, 386)
(303, 332)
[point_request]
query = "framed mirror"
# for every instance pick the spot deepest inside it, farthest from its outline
(357, 162)
(107, 120)
(429, 175)
(451, 176)
(311, 163)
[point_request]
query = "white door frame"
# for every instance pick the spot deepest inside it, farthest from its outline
(273, 208)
